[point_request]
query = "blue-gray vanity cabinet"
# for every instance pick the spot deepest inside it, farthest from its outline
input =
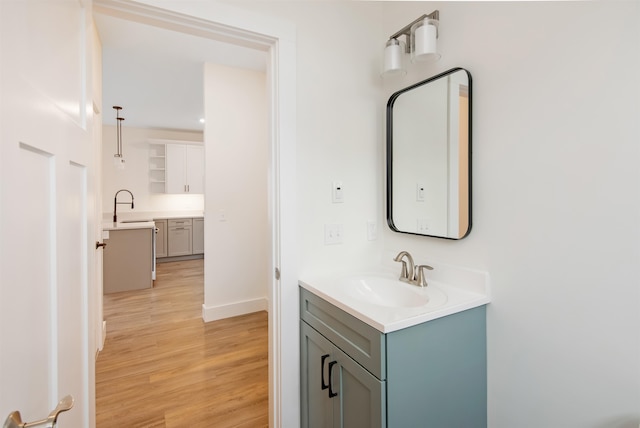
(430, 375)
(337, 391)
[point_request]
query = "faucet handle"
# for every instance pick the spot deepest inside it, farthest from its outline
(421, 278)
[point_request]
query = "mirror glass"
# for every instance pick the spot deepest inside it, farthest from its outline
(428, 157)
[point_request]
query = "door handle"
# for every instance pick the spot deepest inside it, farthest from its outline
(331, 393)
(14, 420)
(322, 359)
(100, 244)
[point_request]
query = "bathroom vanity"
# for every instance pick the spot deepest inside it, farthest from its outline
(374, 367)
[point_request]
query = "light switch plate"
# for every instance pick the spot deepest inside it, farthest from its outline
(372, 230)
(420, 192)
(337, 192)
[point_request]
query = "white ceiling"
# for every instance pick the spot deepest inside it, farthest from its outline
(156, 75)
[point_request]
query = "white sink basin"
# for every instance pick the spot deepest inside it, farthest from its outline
(385, 292)
(377, 297)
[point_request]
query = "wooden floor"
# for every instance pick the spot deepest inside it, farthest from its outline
(162, 366)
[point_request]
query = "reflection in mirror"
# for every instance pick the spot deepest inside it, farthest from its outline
(428, 157)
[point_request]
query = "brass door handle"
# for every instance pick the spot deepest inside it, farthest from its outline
(100, 244)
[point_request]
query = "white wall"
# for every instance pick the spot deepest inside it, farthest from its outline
(555, 184)
(236, 234)
(555, 205)
(135, 176)
(338, 138)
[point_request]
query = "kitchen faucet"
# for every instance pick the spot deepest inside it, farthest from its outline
(115, 203)
(410, 273)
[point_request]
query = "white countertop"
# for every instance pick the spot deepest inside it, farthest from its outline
(125, 226)
(445, 298)
(151, 215)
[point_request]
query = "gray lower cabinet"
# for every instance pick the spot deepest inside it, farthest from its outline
(430, 375)
(128, 260)
(161, 238)
(180, 237)
(198, 236)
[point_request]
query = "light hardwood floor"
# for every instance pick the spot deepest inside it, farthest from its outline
(162, 366)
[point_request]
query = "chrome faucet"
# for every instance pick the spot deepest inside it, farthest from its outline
(115, 203)
(407, 273)
(411, 273)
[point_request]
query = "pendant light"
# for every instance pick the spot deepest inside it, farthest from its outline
(118, 159)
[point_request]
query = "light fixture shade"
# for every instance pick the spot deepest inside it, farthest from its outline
(118, 162)
(394, 62)
(424, 36)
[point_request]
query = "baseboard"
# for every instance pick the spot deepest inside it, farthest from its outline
(212, 313)
(104, 337)
(179, 258)
(104, 333)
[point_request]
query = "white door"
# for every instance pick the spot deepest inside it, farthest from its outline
(47, 219)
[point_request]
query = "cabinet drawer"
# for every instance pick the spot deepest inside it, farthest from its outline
(357, 339)
(179, 222)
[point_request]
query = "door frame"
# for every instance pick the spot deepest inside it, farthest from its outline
(240, 27)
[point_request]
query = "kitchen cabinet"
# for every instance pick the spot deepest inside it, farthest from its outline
(161, 238)
(198, 236)
(179, 237)
(128, 260)
(184, 168)
(157, 167)
(429, 375)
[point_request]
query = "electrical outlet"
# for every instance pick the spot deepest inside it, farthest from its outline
(423, 226)
(372, 230)
(332, 234)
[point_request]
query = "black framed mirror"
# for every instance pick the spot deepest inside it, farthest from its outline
(429, 157)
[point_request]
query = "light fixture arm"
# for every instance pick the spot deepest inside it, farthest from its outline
(406, 30)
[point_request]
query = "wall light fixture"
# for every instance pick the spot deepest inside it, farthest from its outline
(118, 159)
(421, 42)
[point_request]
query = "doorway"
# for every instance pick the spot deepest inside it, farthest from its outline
(234, 26)
(162, 366)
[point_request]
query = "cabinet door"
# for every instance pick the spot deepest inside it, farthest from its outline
(361, 396)
(198, 236)
(161, 238)
(316, 353)
(175, 174)
(195, 169)
(179, 241)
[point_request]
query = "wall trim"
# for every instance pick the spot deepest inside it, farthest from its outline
(213, 313)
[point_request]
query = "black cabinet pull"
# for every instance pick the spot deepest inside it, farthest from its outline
(324, 385)
(331, 393)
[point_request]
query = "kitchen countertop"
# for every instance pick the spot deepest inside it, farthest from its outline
(150, 215)
(124, 226)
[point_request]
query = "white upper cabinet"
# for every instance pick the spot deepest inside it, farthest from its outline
(184, 168)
